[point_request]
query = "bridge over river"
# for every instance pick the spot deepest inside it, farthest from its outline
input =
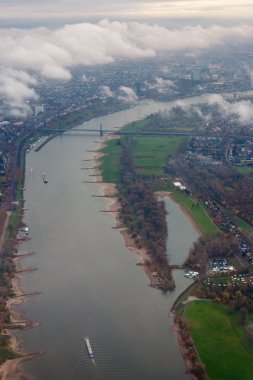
(169, 132)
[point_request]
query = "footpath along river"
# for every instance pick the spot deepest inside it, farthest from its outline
(89, 282)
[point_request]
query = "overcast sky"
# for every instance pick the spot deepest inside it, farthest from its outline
(47, 38)
(128, 9)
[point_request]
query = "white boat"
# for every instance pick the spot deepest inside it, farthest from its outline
(26, 230)
(88, 345)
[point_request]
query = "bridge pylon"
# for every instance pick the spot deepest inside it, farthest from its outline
(101, 130)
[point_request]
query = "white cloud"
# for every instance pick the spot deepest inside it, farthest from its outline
(127, 94)
(106, 91)
(15, 90)
(161, 83)
(243, 109)
(52, 53)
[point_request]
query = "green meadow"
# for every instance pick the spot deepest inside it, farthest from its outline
(220, 340)
(195, 209)
(110, 162)
(244, 170)
(150, 155)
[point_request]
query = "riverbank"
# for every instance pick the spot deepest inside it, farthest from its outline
(113, 199)
(14, 295)
(186, 213)
(109, 190)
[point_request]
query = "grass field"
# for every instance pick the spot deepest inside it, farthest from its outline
(150, 157)
(220, 340)
(135, 125)
(151, 153)
(110, 163)
(241, 224)
(196, 210)
(244, 170)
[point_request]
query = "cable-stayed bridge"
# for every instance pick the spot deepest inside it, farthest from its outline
(172, 132)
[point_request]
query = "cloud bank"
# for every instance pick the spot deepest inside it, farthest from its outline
(243, 109)
(27, 55)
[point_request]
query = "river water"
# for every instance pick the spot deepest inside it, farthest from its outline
(89, 282)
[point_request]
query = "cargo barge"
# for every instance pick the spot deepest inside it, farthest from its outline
(44, 177)
(88, 345)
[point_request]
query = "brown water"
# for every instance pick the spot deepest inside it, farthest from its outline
(89, 282)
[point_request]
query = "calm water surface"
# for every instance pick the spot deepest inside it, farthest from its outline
(89, 282)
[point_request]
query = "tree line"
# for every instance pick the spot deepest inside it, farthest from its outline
(144, 216)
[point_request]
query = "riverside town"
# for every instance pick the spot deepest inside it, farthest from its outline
(126, 200)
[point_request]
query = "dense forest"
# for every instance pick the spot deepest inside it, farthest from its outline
(144, 216)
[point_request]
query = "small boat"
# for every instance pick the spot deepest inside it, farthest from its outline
(44, 177)
(88, 345)
(25, 230)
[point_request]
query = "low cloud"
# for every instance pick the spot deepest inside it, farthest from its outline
(15, 91)
(242, 109)
(106, 91)
(50, 54)
(161, 83)
(127, 94)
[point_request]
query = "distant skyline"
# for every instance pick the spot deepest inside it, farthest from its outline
(46, 39)
(61, 11)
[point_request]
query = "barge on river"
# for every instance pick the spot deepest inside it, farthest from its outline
(88, 345)
(44, 177)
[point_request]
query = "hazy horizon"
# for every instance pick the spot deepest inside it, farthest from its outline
(172, 13)
(46, 40)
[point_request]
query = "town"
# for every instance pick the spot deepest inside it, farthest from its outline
(206, 163)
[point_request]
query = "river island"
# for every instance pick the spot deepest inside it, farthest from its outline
(150, 155)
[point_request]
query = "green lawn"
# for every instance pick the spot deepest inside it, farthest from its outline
(220, 340)
(150, 156)
(241, 224)
(244, 170)
(196, 210)
(151, 153)
(135, 125)
(110, 163)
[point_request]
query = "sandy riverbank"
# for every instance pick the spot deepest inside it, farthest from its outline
(11, 369)
(109, 190)
(184, 210)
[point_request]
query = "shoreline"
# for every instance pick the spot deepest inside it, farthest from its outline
(109, 191)
(188, 216)
(11, 369)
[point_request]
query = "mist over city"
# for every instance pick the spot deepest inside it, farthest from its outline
(126, 182)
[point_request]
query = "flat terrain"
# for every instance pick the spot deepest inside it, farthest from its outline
(150, 155)
(220, 340)
(195, 209)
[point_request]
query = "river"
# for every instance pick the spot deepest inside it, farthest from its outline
(89, 282)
